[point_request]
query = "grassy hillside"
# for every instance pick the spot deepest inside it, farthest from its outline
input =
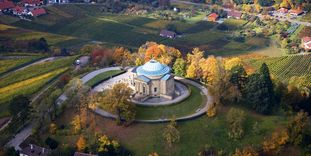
(287, 66)
(88, 23)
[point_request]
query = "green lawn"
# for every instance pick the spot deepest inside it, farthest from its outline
(143, 139)
(100, 77)
(186, 107)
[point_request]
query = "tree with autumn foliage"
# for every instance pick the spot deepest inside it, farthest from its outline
(122, 57)
(193, 61)
(246, 151)
(116, 100)
(171, 133)
(296, 127)
(274, 143)
(232, 62)
(236, 119)
(210, 69)
(180, 67)
(101, 56)
(81, 144)
(164, 54)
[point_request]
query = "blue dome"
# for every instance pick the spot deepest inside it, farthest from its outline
(153, 68)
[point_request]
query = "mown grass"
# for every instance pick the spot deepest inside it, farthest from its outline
(8, 64)
(35, 70)
(100, 77)
(186, 107)
(143, 139)
(234, 23)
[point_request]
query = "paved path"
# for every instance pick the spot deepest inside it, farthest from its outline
(61, 99)
(198, 113)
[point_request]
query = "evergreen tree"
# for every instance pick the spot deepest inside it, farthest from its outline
(259, 91)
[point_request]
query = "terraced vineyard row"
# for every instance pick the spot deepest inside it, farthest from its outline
(287, 66)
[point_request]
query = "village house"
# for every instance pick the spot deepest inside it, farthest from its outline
(18, 10)
(296, 12)
(234, 14)
(6, 5)
(306, 43)
(168, 34)
(58, 1)
(37, 12)
(34, 150)
(212, 17)
(228, 6)
(31, 3)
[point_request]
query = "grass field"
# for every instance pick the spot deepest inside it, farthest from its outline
(186, 107)
(143, 139)
(100, 77)
(287, 66)
(9, 64)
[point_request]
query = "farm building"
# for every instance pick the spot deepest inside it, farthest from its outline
(283, 10)
(37, 12)
(212, 17)
(153, 79)
(306, 43)
(4, 5)
(34, 150)
(19, 10)
(234, 14)
(168, 34)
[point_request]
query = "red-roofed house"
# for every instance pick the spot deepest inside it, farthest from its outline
(32, 2)
(295, 12)
(4, 5)
(306, 43)
(212, 17)
(37, 12)
(19, 10)
(234, 14)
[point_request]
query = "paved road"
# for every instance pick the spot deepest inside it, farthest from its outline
(20, 137)
(258, 15)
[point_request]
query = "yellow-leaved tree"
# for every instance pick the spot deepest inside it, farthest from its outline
(81, 143)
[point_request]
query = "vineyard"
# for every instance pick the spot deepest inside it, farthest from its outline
(287, 66)
(10, 64)
(35, 70)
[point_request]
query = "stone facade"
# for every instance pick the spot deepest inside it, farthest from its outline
(153, 79)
